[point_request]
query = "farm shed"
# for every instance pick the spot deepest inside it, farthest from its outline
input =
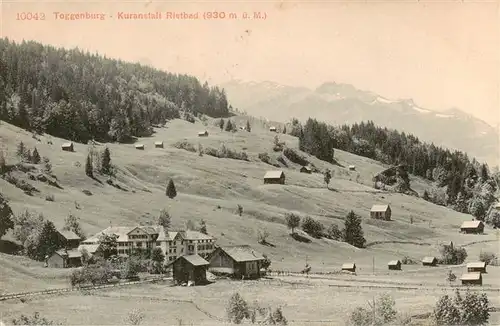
(394, 265)
(139, 146)
(203, 134)
(275, 177)
(429, 261)
(68, 147)
(472, 279)
(352, 168)
(239, 261)
(190, 268)
(69, 239)
(472, 227)
(158, 144)
(306, 169)
(381, 212)
(479, 266)
(272, 128)
(63, 258)
(350, 267)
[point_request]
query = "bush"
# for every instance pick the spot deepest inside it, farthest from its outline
(189, 117)
(312, 227)
(408, 261)
(33, 320)
(452, 256)
(264, 157)
(334, 232)
(238, 310)
(473, 309)
(487, 257)
(50, 197)
(135, 317)
(185, 145)
(379, 312)
(295, 157)
(224, 152)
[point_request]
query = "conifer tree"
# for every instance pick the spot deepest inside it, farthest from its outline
(171, 192)
(36, 159)
(89, 171)
(353, 232)
(221, 124)
(106, 161)
(21, 150)
(229, 125)
(249, 129)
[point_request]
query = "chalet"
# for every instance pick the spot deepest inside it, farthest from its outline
(274, 177)
(203, 134)
(158, 144)
(190, 268)
(394, 265)
(381, 212)
(475, 227)
(172, 243)
(139, 146)
(306, 169)
(63, 258)
(237, 261)
(273, 129)
(350, 267)
(69, 239)
(352, 168)
(67, 147)
(429, 261)
(472, 279)
(479, 266)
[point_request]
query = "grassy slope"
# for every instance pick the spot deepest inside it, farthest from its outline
(205, 182)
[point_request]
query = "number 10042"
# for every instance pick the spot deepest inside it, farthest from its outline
(30, 16)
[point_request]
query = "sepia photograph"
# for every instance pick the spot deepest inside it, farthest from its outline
(199, 163)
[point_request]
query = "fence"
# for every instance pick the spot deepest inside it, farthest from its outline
(76, 288)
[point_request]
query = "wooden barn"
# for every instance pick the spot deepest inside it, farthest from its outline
(429, 261)
(274, 177)
(69, 239)
(381, 212)
(479, 266)
(352, 168)
(394, 265)
(190, 268)
(139, 146)
(203, 134)
(472, 279)
(306, 169)
(158, 144)
(273, 129)
(68, 147)
(349, 267)
(63, 258)
(241, 262)
(472, 227)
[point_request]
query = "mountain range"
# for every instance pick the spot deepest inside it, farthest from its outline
(338, 103)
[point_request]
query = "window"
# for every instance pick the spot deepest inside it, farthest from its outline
(175, 243)
(158, 243)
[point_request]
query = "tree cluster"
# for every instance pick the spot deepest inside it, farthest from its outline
(470, 186)
(80, 96)
(451, 255)
(27, 156)
(471, 309)
(238, 310)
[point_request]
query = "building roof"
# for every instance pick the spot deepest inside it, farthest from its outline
(471, 224)
(351, 166)
(379, 208)
(272, 127)
(273, 174)
(429, 259)
(158, 142)
(194, 235)
(195, 260)
(471, 276)
(90, 248)
(242, 253)
(67, 144)
(139, 145)
(394, 262)
(479, 264)
(307, 167)
(69, 253)
(348, 265)
(202, 132)
(69, 235)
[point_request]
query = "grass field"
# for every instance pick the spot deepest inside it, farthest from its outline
(203, 183)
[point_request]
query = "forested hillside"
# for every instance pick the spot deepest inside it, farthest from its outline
(80, 96)
(461, 183)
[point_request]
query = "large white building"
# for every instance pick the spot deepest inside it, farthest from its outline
(173, 243)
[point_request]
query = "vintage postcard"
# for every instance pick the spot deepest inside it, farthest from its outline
(249, 162)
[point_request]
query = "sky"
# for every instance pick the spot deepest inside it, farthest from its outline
(440, 54)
